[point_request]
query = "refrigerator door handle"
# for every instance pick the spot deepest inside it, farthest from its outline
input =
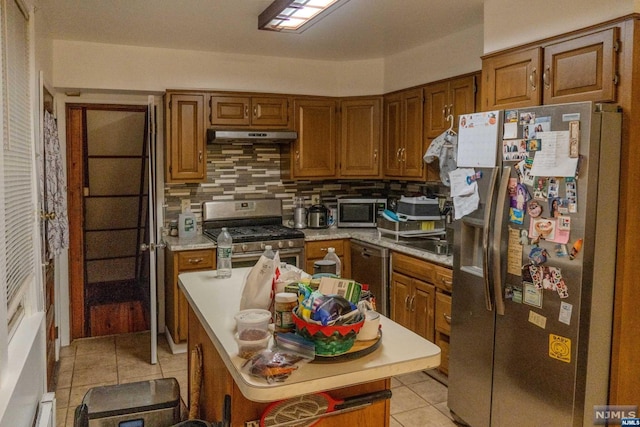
(496, 260)
(486, 232)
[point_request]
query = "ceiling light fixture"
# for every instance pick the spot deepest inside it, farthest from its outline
(295, 16)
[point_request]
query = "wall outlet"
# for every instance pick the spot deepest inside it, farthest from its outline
(315, 199)
(185, 204)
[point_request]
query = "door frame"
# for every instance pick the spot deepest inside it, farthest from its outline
(75, 138)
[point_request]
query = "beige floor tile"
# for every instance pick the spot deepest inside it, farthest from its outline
(137, 369)
(442, 407)
(62, 397)
(104, 361)
(66, 364)
(394, 423)
(413, 377)
(70, 417)
(404, 399)
(134, 340)
(64, 378)
(395, 382)
(177, 362)
(133, 356)
(127, 380)
(94, 345)
(67, 351)
(78, 392)
(430, 390)
(183, 381)
(93, 375)
(427, 416)
(61, 416)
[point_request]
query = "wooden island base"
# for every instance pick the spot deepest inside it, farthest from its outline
(218, 382)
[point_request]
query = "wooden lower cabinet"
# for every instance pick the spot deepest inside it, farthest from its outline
(175, 301)
(117, 318)
(217, 382)
(316, 250)
(420, 296)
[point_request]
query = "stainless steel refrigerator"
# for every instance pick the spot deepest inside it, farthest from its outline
(531, 315)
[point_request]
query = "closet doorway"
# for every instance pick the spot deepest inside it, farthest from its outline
(107, 163)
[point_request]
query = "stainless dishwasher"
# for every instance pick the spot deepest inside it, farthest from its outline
(370, 265)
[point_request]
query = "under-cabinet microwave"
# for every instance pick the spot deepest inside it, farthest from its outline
(360, 211)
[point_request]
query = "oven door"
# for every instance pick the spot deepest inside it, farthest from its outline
(290, 256)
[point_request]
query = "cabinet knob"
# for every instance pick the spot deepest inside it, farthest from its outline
(246, 111)
(375, 155)
(200, 156)
(545, 76)
(532, 78)
(447, 317)
(195, 260)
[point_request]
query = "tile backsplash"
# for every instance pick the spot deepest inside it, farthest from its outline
(236, 172)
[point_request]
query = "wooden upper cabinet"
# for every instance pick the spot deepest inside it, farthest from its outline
(313, 154)
(403, 145)
(360, 137)
(392, 135)
(249, 111)
(512, 80)
(186, 148)
(451, 97)
(581, 69)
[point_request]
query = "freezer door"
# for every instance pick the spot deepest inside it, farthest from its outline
(472, 312)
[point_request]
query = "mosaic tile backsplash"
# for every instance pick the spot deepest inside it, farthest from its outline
(236, 172)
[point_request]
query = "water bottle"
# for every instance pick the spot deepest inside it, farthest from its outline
(224, 254)
(268, 252)
(332, 256)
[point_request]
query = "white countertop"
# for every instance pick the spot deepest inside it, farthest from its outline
(216, 301)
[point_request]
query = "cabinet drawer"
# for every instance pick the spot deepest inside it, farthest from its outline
(443, 279)
(318, 249)
(443, 312)
(196, 260)
(442, 341)
(413, 267)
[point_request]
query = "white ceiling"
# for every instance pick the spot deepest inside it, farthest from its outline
(360, 29)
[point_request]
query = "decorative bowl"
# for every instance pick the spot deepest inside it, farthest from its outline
(329, 340)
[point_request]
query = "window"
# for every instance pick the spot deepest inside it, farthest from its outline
(17, 264)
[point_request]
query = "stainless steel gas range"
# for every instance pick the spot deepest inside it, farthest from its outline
(253, 224)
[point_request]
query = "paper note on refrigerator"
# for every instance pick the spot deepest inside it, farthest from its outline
(514, 253)
(553, 158)
(478, 139)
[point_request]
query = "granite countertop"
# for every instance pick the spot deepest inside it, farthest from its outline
(369, 235)
(215, 302)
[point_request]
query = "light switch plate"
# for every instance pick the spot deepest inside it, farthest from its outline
(315, 199)
(185, 204)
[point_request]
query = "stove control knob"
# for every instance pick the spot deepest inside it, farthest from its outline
(281, 244)
(290, 243)
(244, 247)
(262, 245)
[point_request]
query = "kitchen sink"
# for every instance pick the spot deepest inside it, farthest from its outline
(439, 247)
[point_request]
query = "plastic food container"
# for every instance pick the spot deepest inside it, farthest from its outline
(253, 318)
(252, 341)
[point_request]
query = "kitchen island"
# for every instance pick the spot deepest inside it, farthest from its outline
(212, 304)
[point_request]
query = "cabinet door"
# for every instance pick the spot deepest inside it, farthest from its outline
(270, 112)
(581, 69)
(392, 136)
(462, 98)
(229, 110)
(360, 136)
(317, 250)
(421, 305)
(443, 313)
(412, 163)
(436, 103)
(400, 297)
(186, 155)
(512, 80)
(314, 152)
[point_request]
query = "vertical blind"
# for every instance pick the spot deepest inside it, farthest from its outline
(19, 209)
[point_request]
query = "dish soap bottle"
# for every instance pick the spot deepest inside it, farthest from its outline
(224, 242)
(332, 256)
(187, 224)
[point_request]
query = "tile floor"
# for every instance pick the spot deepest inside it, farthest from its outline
(418, 400)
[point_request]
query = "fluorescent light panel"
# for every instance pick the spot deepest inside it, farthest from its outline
(292, 15)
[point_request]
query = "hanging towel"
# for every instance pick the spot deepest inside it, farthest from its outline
(56, 189)
(443, 147)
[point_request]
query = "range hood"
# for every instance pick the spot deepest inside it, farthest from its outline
(249, 136)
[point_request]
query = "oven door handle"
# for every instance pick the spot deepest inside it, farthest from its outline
(256, 255)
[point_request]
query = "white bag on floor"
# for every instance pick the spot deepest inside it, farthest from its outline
(257, 291)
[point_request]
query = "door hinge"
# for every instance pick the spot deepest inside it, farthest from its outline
(55, 333)
(616, 79)
(616, 46)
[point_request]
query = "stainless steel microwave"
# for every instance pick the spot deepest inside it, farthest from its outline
(360, 211)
